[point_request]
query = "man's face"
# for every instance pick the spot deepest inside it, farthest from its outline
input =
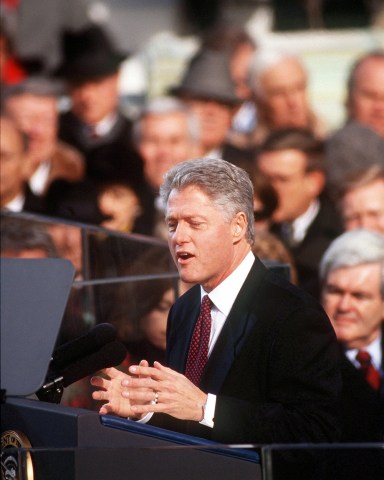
(11, 162)
(284, 95)
(94, 100)
(214, 121)
(352, 300)
(165, 141)
(295, 187)
(366, 103)
(201, 241)
(363, 207)
(37, 117)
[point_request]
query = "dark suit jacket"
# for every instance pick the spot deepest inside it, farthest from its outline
(109, 157)
(307, 254)
(362, 407)
(274, 367)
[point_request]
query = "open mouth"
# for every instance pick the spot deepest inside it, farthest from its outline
(183, 256)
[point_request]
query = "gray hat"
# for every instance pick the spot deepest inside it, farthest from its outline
(41, 86)
(208, 77)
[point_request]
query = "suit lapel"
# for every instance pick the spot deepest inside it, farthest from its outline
(182, 332)
(240, 322)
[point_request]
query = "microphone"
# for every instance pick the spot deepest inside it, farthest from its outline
(88, 343)
(109, 355)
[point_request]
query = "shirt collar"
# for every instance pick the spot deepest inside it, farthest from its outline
(301, 224)
(224, 295)
(105, 126)
(16, 205)
(374, 349)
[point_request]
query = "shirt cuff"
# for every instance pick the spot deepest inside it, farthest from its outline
(145, 419)
(209, 411)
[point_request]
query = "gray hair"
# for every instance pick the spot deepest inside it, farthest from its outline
(165, 106)
(229, 186)
(262, 60)
(353, 248)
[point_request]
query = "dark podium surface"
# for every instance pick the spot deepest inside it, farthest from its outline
(71, 443)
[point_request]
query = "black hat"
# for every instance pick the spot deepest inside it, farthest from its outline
(208, 77)
(88, 54)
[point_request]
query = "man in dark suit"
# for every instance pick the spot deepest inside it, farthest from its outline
(353, 296)
(208, 89)
(305, 220)
(271, 371)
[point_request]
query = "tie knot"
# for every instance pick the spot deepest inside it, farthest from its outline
(206, 302)
(363, 357)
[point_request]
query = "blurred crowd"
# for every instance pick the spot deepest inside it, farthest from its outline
(68, 151)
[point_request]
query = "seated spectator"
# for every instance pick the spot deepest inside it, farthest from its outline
(94, 124)
(142, 326)
(15, 194)
(120, 204)
(305, 219)
(361, 199)
(360, 142)
(279, 83)
(33, 104)
(165, 133)
(365, 91)
(208, 89)
(238, 43)
(352, 277)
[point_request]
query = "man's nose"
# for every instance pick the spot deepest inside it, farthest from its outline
(344, 302)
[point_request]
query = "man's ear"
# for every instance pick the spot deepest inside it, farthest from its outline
(239, 225)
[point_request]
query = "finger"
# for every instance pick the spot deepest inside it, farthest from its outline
(143, 370)
(99, 382)
(112, 372)
(105, 409)
(147, 396)
(140, 383)
(99, 395)
(144, 363)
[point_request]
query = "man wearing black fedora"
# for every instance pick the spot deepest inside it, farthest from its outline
(94, 124)
(208, 89)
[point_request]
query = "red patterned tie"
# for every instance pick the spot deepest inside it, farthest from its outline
(198, 349)
(371, 375)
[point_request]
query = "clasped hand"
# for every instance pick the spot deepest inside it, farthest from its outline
(149, 390)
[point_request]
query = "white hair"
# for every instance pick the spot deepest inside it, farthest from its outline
(353, 248)
(164, 106)
(262, 60)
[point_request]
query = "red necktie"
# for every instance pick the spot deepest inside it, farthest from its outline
(371, 375)
(198, 349)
